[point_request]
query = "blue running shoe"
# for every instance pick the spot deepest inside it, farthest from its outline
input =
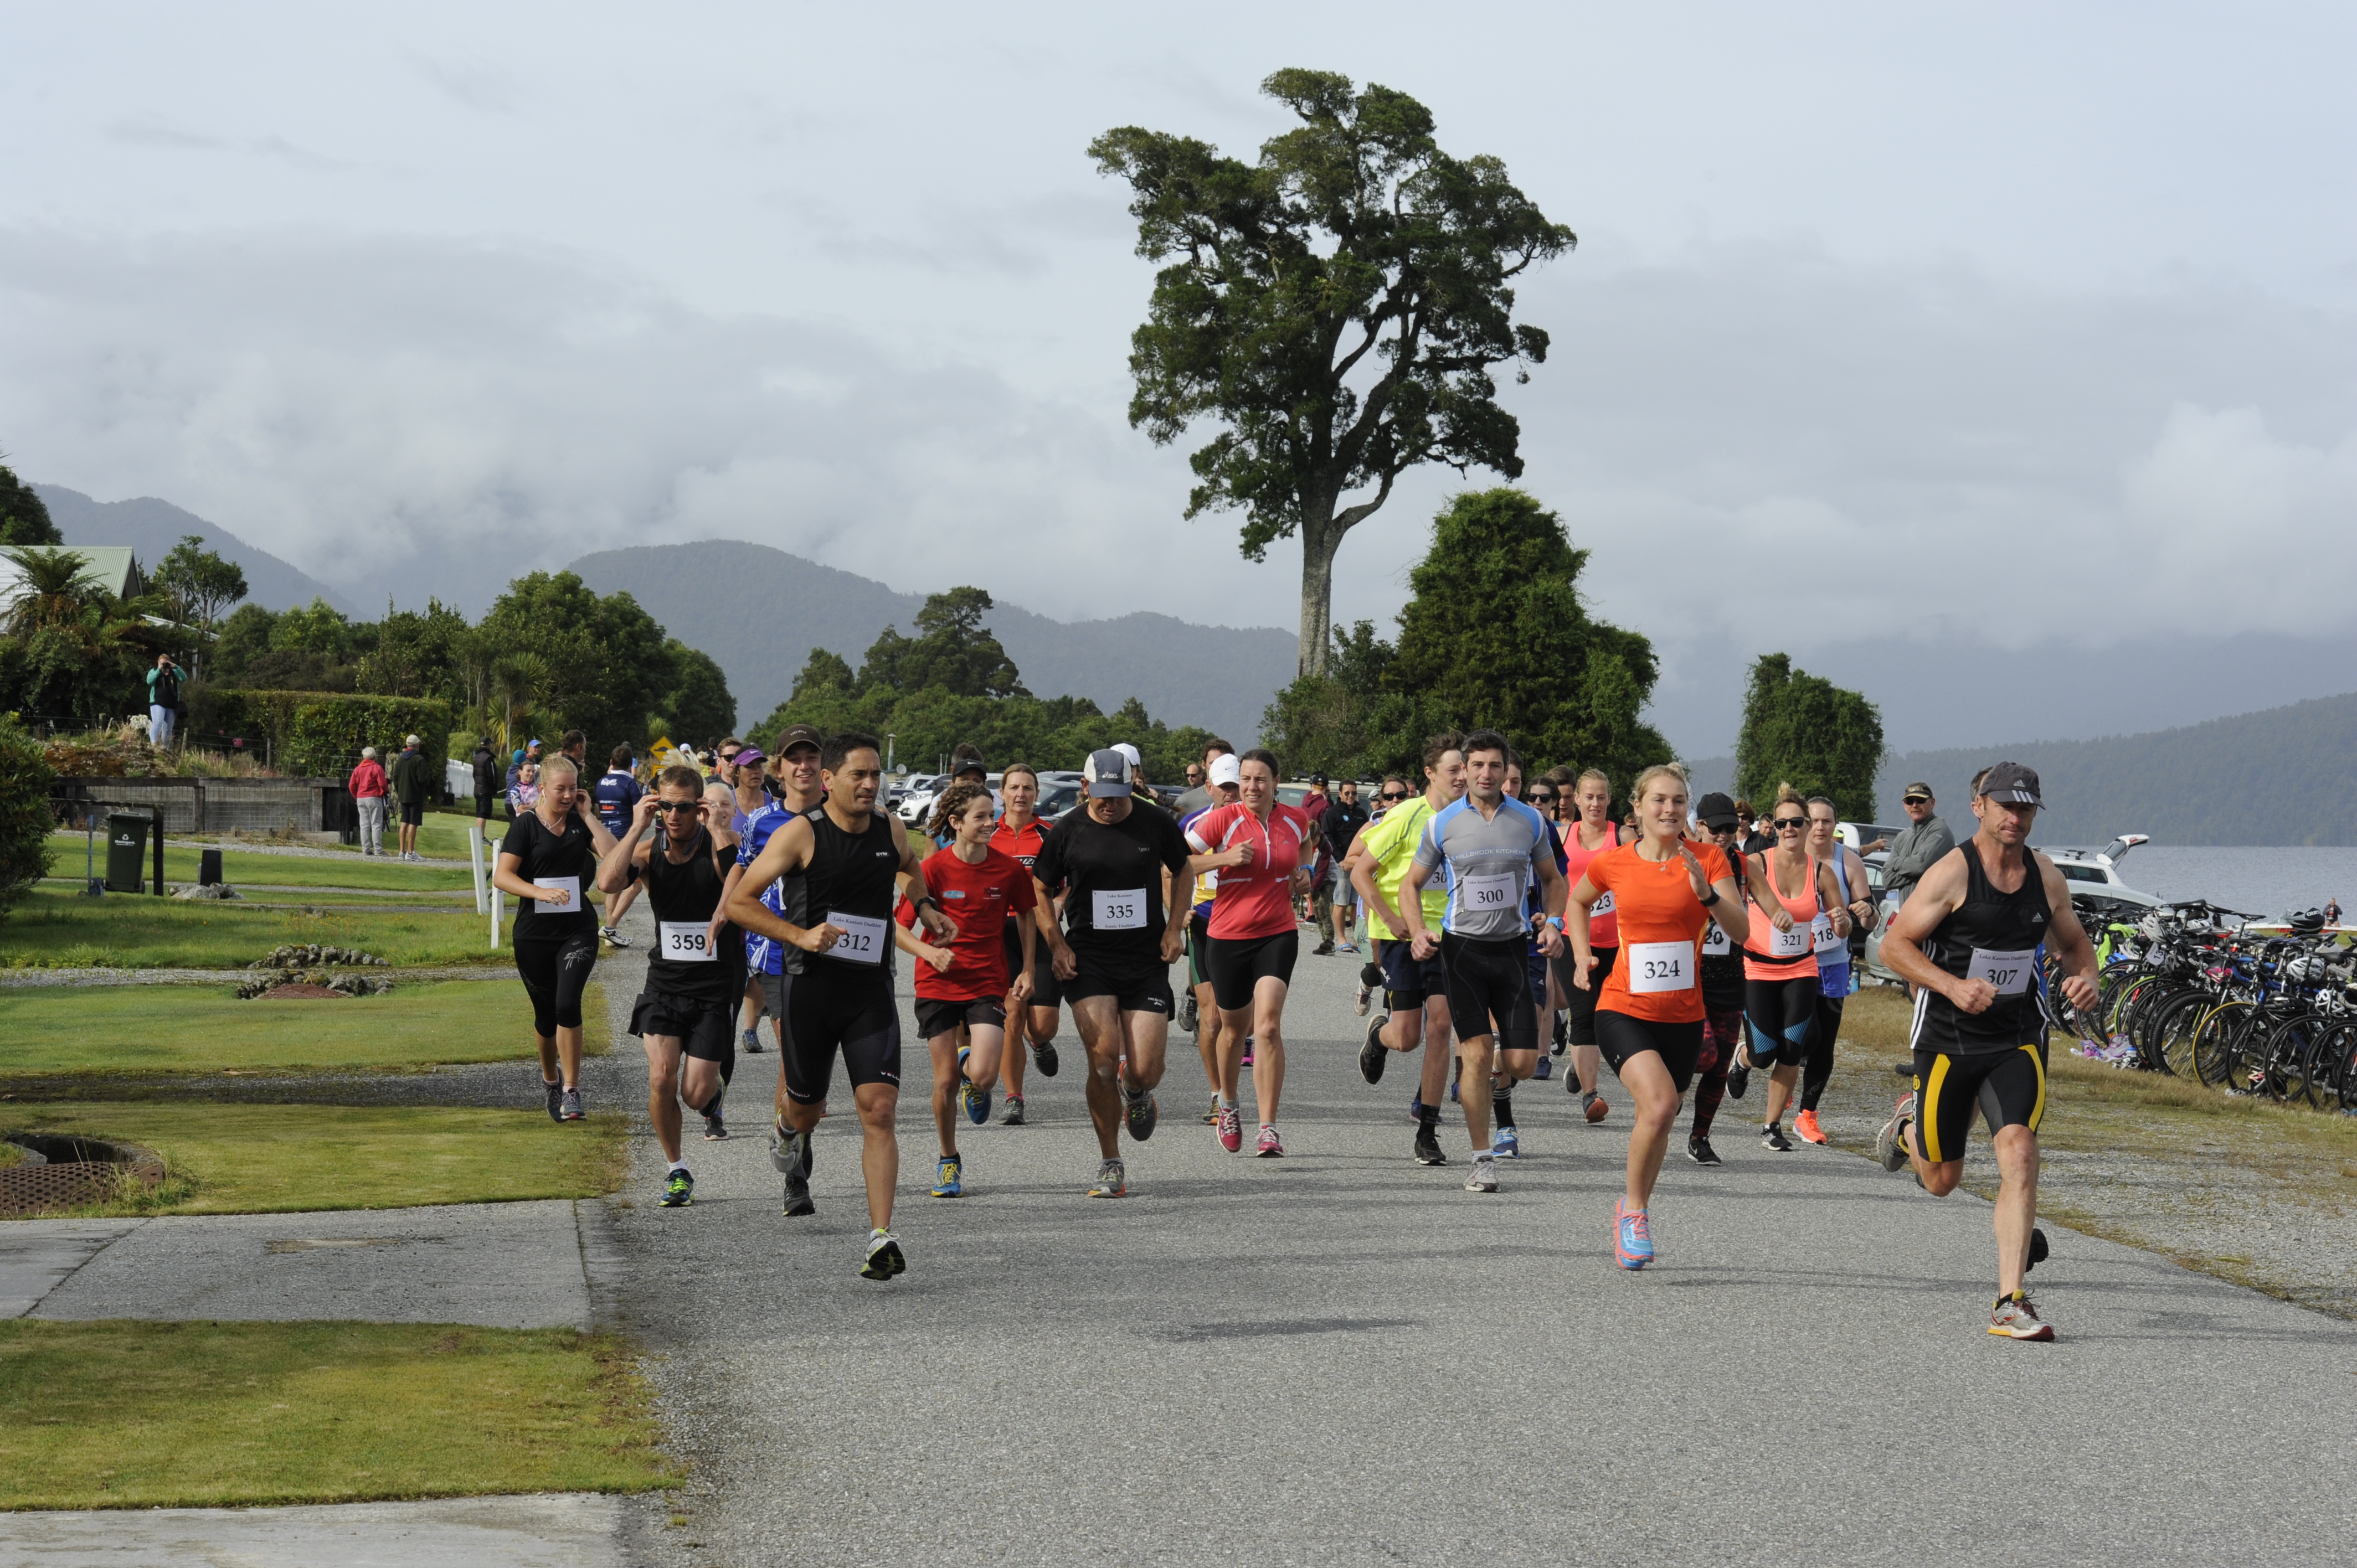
(1507, 1144)
(975, 1100)
(1546, 1069)
(1634, 1243)
(949, 1177)
(1415, 1108)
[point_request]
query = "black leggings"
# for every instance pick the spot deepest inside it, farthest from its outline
(1784, 1018)
(1581, 1004)
(1820, 1068)
(554, 974)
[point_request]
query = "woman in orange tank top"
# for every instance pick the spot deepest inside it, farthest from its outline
(1589, 834)
(1788, 889)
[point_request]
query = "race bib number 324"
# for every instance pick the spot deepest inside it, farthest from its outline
(1661, 966)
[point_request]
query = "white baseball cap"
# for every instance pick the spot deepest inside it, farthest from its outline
(1129, 751)
(1226, 770)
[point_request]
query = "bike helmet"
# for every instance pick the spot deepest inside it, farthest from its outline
(2307, 920)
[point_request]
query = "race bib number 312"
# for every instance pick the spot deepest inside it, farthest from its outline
(862, 940)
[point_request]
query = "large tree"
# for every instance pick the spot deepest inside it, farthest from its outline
(1336, 306)
(24, 517)
(74, 651)
(1802, 730)
(202, 584)
(608, 667)
(953, 650)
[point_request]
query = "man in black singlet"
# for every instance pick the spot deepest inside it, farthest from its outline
(1968, 938)
(687, 1008)
(849, 856)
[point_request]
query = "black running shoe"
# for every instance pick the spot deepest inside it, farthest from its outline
(1738, 1077)
(1699, 1150)
(2037, 1249)
(1771, 1137)
(1043, 1056)
(1427, 1145)
(1140, 1114)
(884, 1259)
(679, 1189)
(555, 1100)
(1372, 1054)
(1562, 1036)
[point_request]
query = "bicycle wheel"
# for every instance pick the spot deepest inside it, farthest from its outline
(2217, 1049)
(2281, 1059)
(2171, 1034)
(2336, 1068)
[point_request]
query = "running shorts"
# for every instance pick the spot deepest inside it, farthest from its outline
(1409, 981)
(1489, 990)
(554, 974)
(778, 998)
(1620, 1036)
(855, 1014)
(1580, 1006)
(2006, 1086)
(1784, 1018)
(1199, 950)
(937, 1018)
(483, 808)
(1538, 966)
(702, 1028)
(1136, 987)
(414, 813)
(1045, 990)
(1346, 893)
(1240, 963)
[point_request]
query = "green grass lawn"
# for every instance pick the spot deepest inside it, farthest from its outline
(270, 1159)
(131, 1414)
(55, 927)
(112, 1029)
(243, 870)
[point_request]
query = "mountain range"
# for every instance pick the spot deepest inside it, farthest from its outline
(2276, 777)
(151, 528)
(760, 611)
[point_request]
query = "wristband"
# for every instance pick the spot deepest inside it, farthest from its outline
(1712, 899)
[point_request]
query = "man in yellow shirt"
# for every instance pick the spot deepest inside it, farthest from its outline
(1416, 990)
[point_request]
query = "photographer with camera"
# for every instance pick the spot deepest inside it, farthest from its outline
(163, 700)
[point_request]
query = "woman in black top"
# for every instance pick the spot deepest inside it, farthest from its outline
(547, 862)
(696, 970)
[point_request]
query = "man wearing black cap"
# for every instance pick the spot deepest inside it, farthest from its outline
(1111, 857)
(1918, 848)
(1968, 940)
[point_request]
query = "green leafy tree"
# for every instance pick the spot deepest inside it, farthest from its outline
(1348, 722)
(24, 779)
(1336, 307)
(1802, 730)
(243, 637)
(76, 651)
(429, 654)
(698, 707)
(608, 665)
(24, 516)
(822, 673)
(201, 584)
(953, 650)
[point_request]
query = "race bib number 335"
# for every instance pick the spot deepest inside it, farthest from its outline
(1120, 911)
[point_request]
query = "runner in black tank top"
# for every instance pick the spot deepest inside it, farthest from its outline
(850, 857)
(694, 973)
(1970, 944)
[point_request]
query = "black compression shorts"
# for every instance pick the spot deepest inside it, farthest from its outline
(1489, 990)
(935, 1018)
(555, 973)
(1581, 1004)
(1408, 980)
(1782, 1014)
(1240, 963)
(1135, 986)
(705, 1029)
(1199, 950)
(1620, 1036)
(1047, 991)
(2007, 1087)
(856, 1014)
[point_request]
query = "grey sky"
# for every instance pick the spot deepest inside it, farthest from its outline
(420, 299)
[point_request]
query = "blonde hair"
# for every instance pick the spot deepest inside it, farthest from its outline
(560, 763)
(1599, 775)
(1787, 795)
(1659, 770)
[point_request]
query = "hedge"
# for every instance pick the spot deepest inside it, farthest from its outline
(24, 778)
(319, 733)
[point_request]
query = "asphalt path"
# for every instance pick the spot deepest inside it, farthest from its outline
(1342, 1356)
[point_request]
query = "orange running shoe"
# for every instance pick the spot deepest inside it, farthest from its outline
(1805, 1124)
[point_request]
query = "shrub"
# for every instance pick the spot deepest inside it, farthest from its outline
(24, 779)
(330, 731)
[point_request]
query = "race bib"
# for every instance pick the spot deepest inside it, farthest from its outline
(1787, 944)
(1602, 905)
(1488, 895)
(1822, 928)
(1123, 910)
(1660, 966)
(684, 941)
(862, 940)
(569, 885)
(2009, 972)
(1716, 942)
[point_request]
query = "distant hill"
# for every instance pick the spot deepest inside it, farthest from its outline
(2278, 777)
(760, 611)
(151, 527)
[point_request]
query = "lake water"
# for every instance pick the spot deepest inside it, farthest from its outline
(2266, 882)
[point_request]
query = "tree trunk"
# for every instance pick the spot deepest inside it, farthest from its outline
(1319, 540)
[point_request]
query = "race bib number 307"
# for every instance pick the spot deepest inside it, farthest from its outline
(1120, 911)
(2008, 972)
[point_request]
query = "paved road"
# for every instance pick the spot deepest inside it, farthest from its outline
(1344, 1357)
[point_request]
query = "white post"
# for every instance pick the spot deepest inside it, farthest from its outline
(495, 916)
(475, 870)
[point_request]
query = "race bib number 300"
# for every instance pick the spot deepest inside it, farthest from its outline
(2009, 972)
(862, 940)
(1488, 895)
(1122, 910)
(682, 942)
(1661, 966)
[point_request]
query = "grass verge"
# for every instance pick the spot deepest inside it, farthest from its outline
(268, 1159)
(136, 1414)
(76, 1033)
(248, 870)
(53, 928)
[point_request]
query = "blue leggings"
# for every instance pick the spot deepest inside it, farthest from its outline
(1781, 1019)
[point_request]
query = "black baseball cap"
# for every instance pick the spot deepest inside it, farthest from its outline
(1716, 810)
(1919, 790)
(2012, 783)
(1318, 778)
(799, 735)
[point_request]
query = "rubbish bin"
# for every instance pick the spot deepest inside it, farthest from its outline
(126, 849)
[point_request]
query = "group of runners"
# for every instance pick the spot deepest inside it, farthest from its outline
(1661, 944)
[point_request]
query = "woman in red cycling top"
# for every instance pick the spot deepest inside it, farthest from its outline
(1019, 834)
(1256, 846)
(1649, 1013)
(1593, 832)
(1790, 888)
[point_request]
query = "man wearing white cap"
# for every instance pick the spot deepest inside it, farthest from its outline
(1112, 958)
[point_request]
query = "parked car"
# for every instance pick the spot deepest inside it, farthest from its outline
(2093, 876)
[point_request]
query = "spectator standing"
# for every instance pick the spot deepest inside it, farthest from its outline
(488, 786)
(616, 798)
(410, 787)
(163, 701)
(529, 757)
(577, 746)
(1919, 846)
(1201, 798)
(1315, 805)
(367, 785)
(2333, 912)
(1339, 827)
(525, 792)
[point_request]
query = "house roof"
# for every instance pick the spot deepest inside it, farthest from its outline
(116, 566)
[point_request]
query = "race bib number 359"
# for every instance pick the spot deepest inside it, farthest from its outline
(682, 942)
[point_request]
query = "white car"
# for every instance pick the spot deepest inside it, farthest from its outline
(2092, 876)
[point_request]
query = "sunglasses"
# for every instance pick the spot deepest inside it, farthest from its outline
(676, 805)
(1392, 797)
(1543, 795)
(1794, 824)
